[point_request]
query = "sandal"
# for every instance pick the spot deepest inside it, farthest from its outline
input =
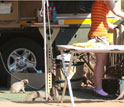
(100, 92)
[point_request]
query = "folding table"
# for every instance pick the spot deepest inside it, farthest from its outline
(72, 50)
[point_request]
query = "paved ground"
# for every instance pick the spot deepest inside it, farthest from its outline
(77, 104)
(83, 98)
(82, 94)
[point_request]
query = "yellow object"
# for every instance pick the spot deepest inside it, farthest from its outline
(78, 21)
(111, 39)
(80, 44)
(90, 43)
(84, 21)
(112, 20)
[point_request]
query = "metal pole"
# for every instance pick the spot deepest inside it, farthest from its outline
(68, 80)
(45, 52)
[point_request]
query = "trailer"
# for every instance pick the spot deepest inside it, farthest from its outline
(22, 38)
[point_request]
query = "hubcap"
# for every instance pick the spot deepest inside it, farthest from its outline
(20, 59)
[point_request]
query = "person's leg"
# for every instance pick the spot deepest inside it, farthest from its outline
(99, 69)
(101, 59)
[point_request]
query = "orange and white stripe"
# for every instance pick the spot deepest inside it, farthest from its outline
(99, 26)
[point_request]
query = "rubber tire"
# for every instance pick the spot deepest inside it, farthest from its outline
(24, 43)
(11, 45)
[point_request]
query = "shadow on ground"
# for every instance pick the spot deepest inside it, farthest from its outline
(82, 94)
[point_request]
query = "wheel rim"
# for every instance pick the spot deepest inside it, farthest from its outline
(21, 59)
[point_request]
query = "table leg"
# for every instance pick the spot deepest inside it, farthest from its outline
(67, 82)
(63, 92)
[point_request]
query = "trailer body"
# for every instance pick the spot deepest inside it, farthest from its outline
(22, 44)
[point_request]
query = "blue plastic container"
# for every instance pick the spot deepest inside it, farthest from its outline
(54, 15)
